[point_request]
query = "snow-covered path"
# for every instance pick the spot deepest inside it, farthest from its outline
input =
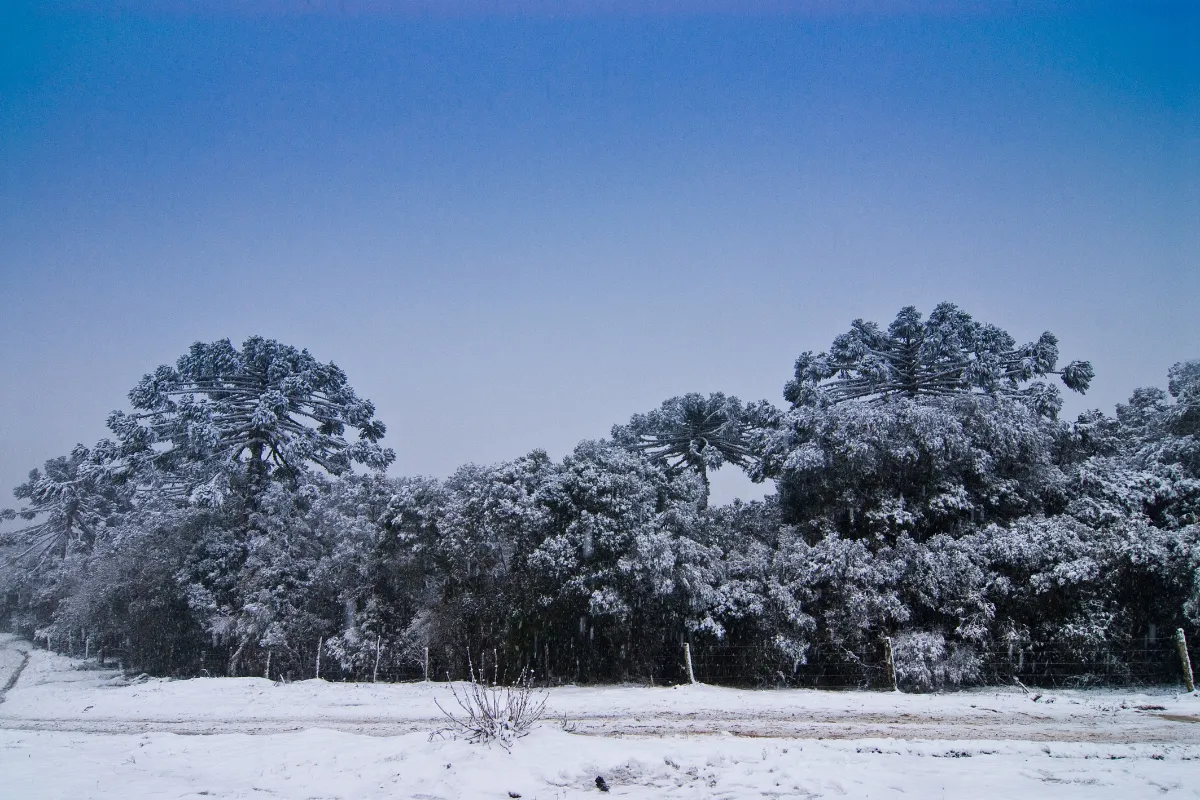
(554, 765)
(14, 655)
(54, 694)
(70, 732)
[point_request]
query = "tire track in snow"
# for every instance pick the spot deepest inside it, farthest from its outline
(16, 673)
(851, 727)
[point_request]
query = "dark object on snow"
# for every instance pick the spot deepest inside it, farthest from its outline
(514, 794)
(601, 784)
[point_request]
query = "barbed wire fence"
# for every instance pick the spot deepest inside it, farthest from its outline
(989, 663)
(1162, 661)
(874, 665)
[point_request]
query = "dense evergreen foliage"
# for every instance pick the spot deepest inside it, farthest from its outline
(692, 431)
(928, 496)
(947, 354)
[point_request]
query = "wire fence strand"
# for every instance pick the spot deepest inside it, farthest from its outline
(985, 663)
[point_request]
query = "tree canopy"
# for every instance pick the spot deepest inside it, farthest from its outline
(927, 497)
(71, 503)
(269, 408)
(948, 353)
(692, 431)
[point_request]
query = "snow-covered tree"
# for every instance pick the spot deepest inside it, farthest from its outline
(693, 431)
(70, 502)
(486, 519)
(1163, 428)
(266, 410)
(70, 507)
(239, 432)
(949, 353)
(904, 466)
(927, 493)
(126, 595)
(610, 579)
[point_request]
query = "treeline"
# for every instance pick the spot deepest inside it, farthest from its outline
(928, 495)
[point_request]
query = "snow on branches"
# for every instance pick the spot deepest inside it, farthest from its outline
(268, 406)
(949, 353)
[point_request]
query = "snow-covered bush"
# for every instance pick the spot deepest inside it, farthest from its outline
(924, 661)
(493, 712)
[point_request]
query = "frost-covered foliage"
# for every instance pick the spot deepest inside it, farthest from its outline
(925, 661)
(693, 431)
(223, 531)
(70, 504)
(949, 353)
(268, 408)
(197, 516)
(910, 466)
(494, 712)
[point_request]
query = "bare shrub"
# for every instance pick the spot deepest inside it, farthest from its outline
(494, 712)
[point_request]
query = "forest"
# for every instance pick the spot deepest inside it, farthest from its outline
(930, 508)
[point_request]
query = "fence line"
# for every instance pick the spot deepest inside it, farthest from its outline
(871, 664)
(986, 663)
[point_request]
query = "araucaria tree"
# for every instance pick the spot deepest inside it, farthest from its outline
(221, 430)
(949, 353)
(927, 494)
(69, 504)
(214, 473)
(267, 409)
(692, 431)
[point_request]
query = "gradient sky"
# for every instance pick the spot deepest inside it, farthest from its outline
(516, 224)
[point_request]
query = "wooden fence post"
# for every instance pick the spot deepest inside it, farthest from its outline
(320, 642)
(267, 671)
(891, 663)
(687, 658)
(375, 672)
(425, 665)
(1185, 660)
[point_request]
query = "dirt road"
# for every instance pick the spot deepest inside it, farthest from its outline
(54, 693)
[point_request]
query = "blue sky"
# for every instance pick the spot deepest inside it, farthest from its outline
(513, 226)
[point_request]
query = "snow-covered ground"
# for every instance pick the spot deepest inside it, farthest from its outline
(85, 733)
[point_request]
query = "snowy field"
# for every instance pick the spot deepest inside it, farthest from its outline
(72, 732)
